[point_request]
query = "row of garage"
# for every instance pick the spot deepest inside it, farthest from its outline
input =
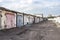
(10, 19)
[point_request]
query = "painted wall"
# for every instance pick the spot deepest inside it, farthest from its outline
(3, 19)
(0, 19)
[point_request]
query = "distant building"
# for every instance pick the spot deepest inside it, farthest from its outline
(57, 19)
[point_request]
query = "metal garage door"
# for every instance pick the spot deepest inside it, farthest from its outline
(10, 21)
(26, 20)
(19, 20)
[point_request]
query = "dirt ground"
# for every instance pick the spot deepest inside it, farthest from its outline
(42, 31)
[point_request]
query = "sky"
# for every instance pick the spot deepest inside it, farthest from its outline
(45, 7)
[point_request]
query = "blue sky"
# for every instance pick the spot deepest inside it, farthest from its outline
(33, 6)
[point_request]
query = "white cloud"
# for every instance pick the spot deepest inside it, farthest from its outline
(26, 1)
(14, 5)
(28, 8)
(26, 5)
(10, 0)
(44, 4)
(1, 0)
(49, 4)
(19, 4)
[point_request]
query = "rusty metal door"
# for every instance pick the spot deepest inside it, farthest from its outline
(10, 18)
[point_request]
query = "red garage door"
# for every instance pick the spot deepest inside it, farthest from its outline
(10, 21)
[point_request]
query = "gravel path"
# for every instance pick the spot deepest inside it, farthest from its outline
(41, 31)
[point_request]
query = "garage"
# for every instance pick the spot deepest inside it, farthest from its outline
(19, 20)
(10, 20)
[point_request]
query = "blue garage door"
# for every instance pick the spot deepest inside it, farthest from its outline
(19, 20)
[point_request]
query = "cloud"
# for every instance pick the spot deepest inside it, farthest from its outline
(32, 6)
(26, 1)
(10, 0)
(45, 3)
(1, 0)
(19, 4)
(23, 5)
(29, 3)
(49, 4)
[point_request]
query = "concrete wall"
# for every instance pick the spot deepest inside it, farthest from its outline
(3, 19)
